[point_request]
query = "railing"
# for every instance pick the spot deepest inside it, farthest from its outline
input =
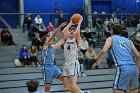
(129, 19)
(15, 20)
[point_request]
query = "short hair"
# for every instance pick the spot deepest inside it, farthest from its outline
(72, 28)
(117, 29)
(32, 85)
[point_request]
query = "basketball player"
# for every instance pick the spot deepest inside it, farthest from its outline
(123, 51)
(71, 67)
(49, 68)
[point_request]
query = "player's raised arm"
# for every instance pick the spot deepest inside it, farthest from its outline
(56, 32)
(65, 31)
(78, 30)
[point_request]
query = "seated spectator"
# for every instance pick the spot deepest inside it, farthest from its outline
(84, 45)
(108, 30)
(136, 34)
(125, 31)
(42, 30)
(50, 29)
(88, 35)
(32, 86)
(33, 31)
(6, 37)
(33, 55)
(113, 19)
(109, 59)
(106, 22)
(136, 44)
(90, 58)
(37, 42)
(81, 61)
(38, 20)
(23, 56)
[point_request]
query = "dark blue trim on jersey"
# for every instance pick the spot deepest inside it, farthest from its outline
(74, 68)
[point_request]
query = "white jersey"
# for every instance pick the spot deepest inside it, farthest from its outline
(70, 50)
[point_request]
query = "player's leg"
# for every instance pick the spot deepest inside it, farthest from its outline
(66, 83)
(134, 84)
(134, 91)
(73, 86)
(117, 91)
(47, 87)
(48, 77)
(74, 69)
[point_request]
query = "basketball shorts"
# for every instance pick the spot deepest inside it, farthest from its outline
(71, 68)
(50, 72)
(126, 78)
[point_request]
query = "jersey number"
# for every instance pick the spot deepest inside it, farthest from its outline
(68, 47)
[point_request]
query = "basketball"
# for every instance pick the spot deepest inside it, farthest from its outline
(75, 18)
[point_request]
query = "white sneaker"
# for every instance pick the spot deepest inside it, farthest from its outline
(86, 91)
(84, 75)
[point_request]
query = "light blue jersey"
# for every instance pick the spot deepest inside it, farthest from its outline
(50, 70)
(127, 71)
(121, 51)
(48, 56)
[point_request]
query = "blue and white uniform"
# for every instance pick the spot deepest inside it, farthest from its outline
(71, 65)
(50, 70)
(127, 71)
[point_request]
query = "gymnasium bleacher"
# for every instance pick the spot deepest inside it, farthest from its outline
(13, 79)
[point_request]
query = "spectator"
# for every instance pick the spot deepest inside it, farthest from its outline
(90, 58)
(136, 44)
(6, 37)
(27, 23)
(124, 32)
(81, 61)
(61, 19)
(57, 12)
(113, 19)
(38, 20)
(136, 34)
(32, 86)
(106, 22)
(23, 56)
(88, 35)
(42, 30)
(108, 30)
(33, 55)
(33, 31)
(84, 45)
(37, 42)
(50, 29)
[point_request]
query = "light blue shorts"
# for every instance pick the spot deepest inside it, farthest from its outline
(50, 72)
(126, 78)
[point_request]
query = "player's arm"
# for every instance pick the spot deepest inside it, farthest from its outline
(56, 33)
(107, 45)
(65, 31)
(78, 36)
(136, 54)
(57, 45)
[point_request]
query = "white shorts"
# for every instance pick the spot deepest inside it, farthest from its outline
(71, 68)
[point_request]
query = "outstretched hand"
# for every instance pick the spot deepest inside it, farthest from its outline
(94, 66)
(63, 24)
